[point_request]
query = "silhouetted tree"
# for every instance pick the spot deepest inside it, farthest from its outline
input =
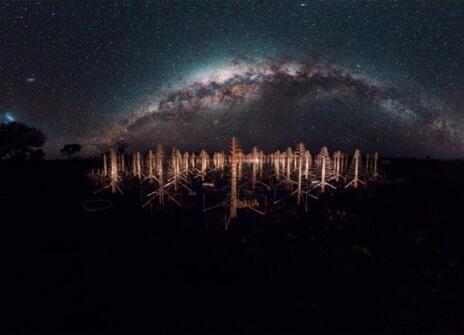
(71, 149)
(21, 142)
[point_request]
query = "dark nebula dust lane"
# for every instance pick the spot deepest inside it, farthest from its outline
(274, 104)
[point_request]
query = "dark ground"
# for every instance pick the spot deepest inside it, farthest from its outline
(393, 262)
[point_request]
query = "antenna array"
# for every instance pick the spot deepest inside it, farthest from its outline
(245, 180)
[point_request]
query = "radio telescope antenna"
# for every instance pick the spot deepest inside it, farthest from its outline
(255, 159)
(234, 154)
(150, 166)
(139, 165)
(239, 164)
(301, 158)
(376, 175)
(136, 165)
(160, 192)
(289, 167)
(122, 164)
(232, 202)
(286, 160)
(308, 164)
(114, 174)
(254, 166)
(177, 177)
(185, 163)
(193, 160)
(277, 158)
(356, 166)
(300, 152)
(204, 163)
(325, 170)
(337, 165)
(105, 166)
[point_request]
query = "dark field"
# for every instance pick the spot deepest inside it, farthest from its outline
(388, 258)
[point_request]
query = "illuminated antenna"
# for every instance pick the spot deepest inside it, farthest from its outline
(114, 174)
(325, 171)
(232, 202)
(204, 163)
(218, 161)
(105, 166)
(288, 165)
(375, 164)
(337, 165)
(136, 165)
(300, 156)
(344, 164)
(356, 166)
(254, 157)
(177, 178)
(300, 152)
(256, 160)
(139, 165)
(277, 163)
(160, 192)
(234, 163)
(239, 165)
(185, 163)
(193, 160)
(308, 164)
(150, 164)
(122, 164)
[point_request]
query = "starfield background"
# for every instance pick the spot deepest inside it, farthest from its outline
(87, 247)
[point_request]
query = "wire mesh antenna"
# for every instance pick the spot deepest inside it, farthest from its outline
(240, 165)
(160, 192)
(276, 158)
(105, 166)
(254, 157)
(160, 172)
(288, 167)
(122, 164)
(375, 168)
(204, 164)
(337, 161)
(150, 164)
(355, 171)
(114, 177)
(301, 162)
(114, 172)
(300, 156)
(308, 164)
(176, 176)
(175, 167)
(324, 171)
(218, 161)
(345, 164)
(138, 165)
(234, 162)
(185, 163)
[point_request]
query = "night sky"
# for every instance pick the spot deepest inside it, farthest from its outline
(386, 76)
